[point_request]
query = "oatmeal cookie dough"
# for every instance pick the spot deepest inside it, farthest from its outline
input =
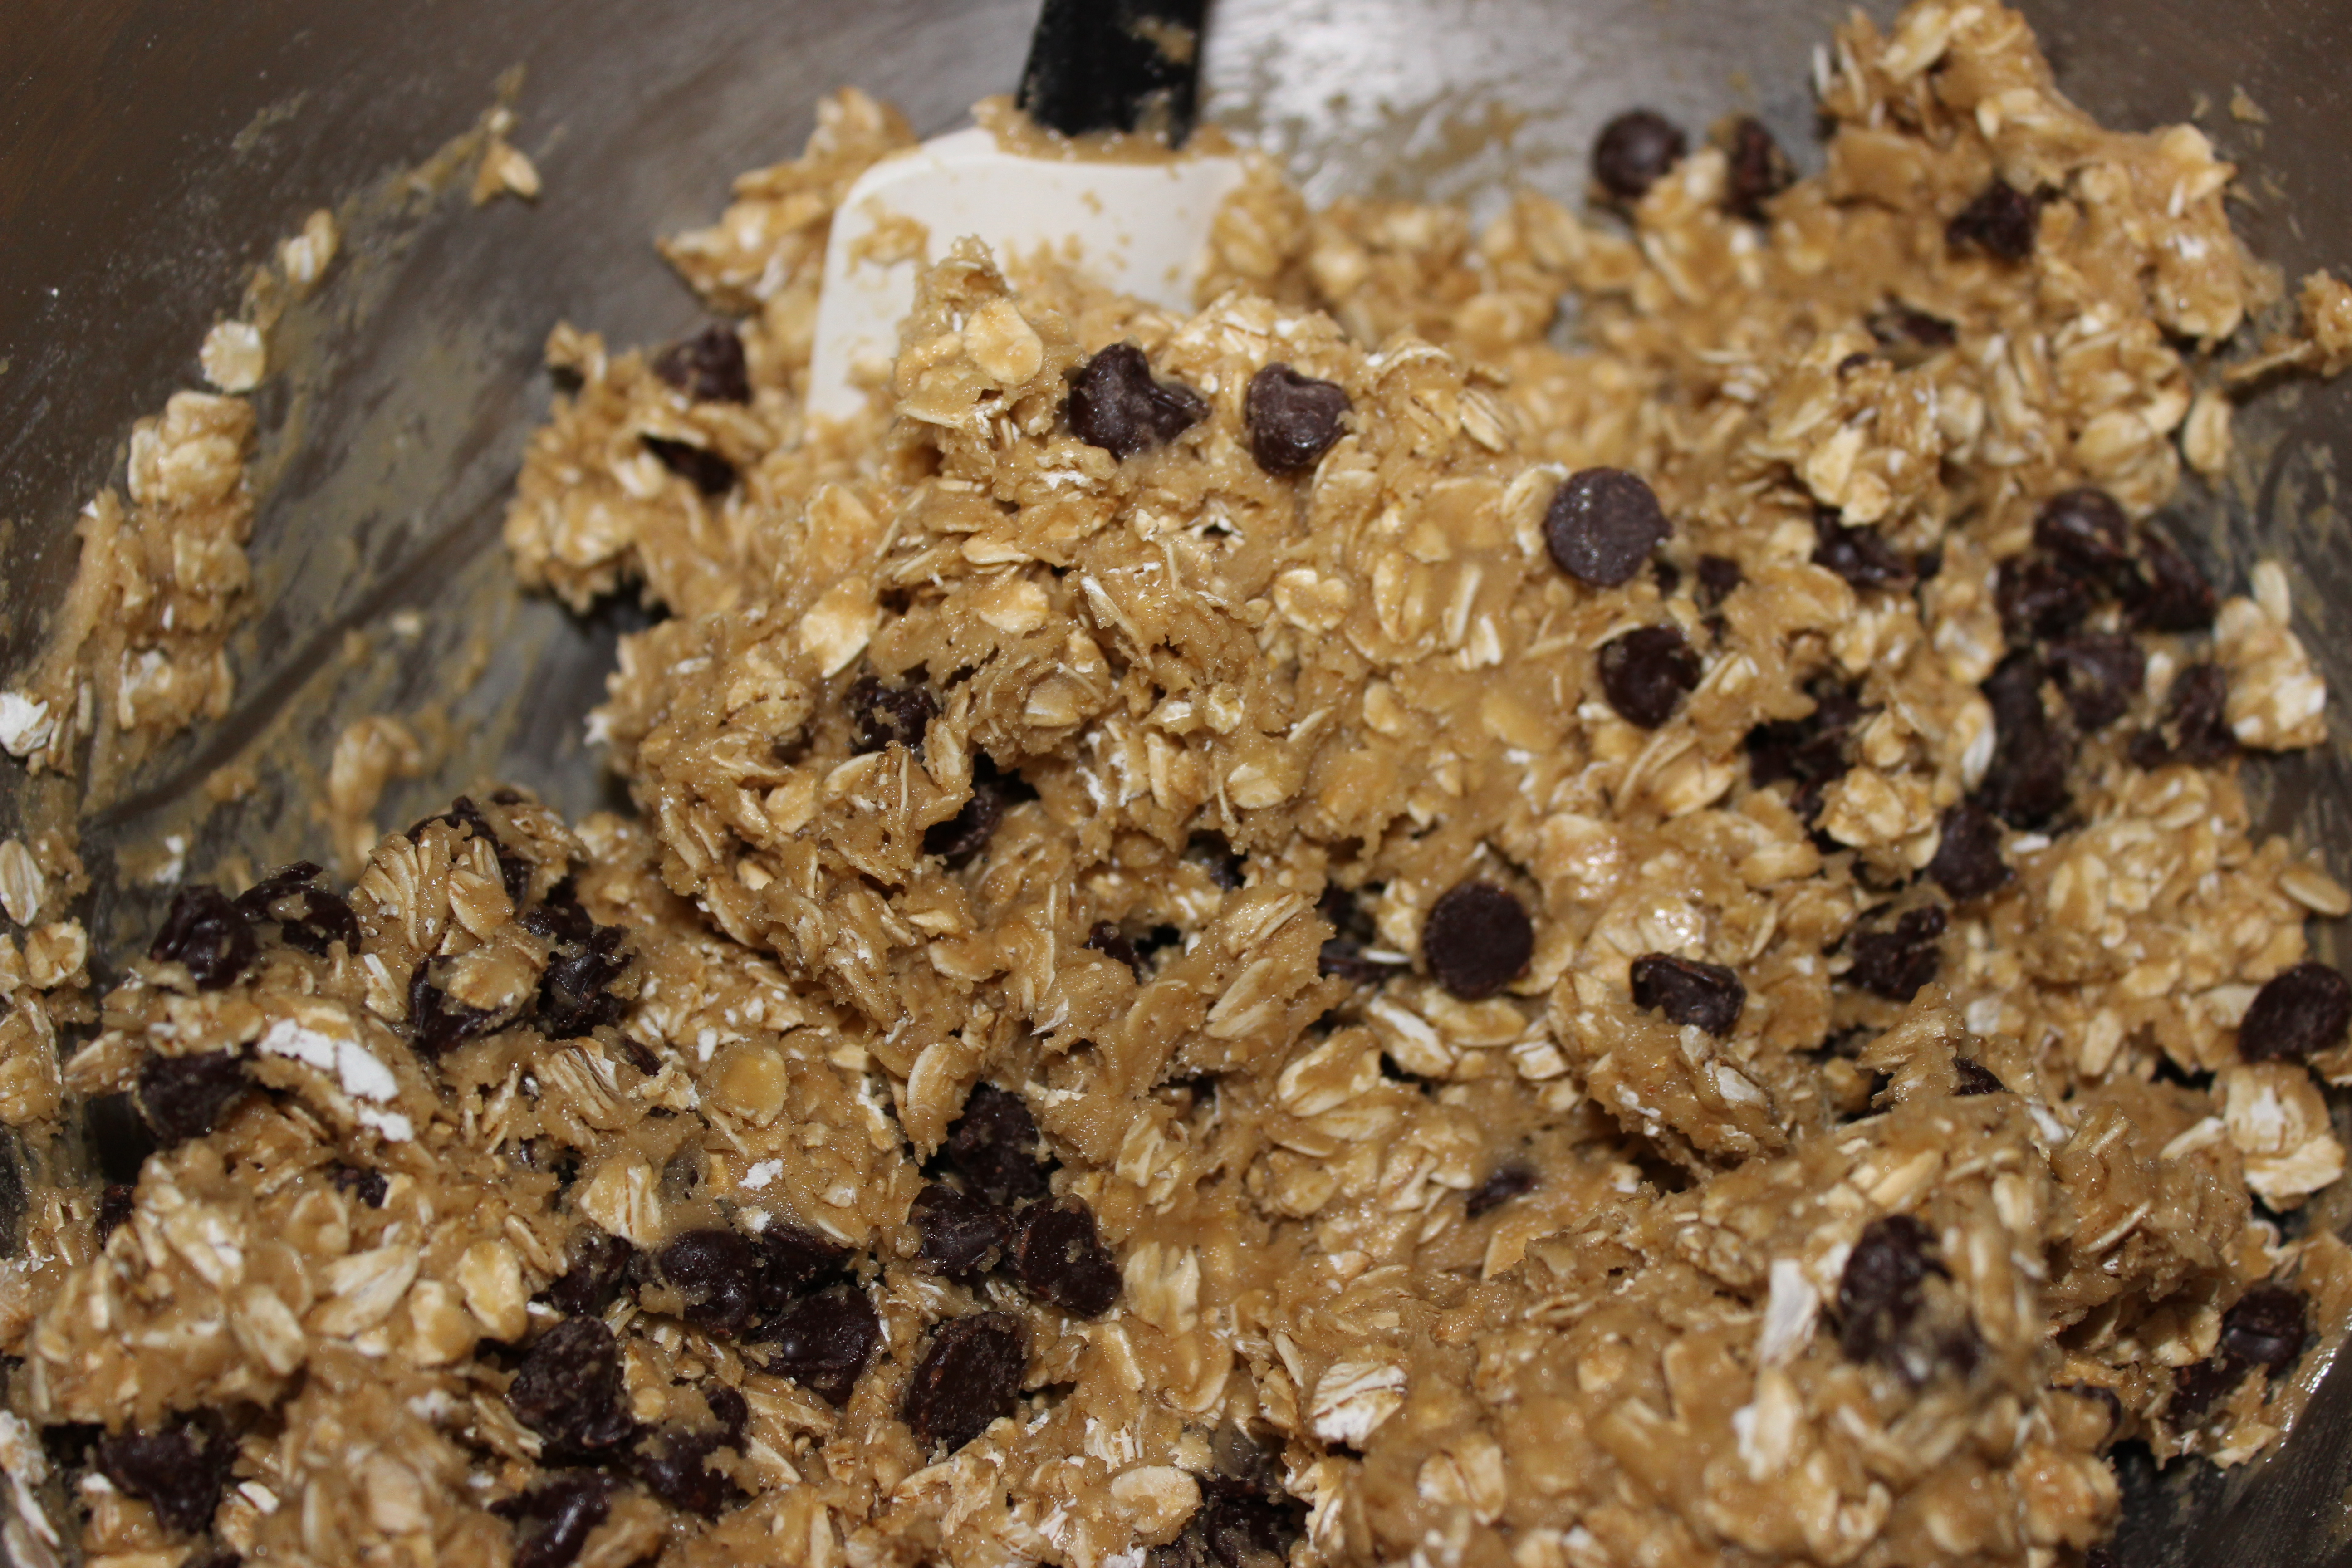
(1321, 933)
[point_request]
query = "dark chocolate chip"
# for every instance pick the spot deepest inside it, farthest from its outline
(180, 1471)
(1215, 855)
(308, 918)
(1635, 150)
(514, 869)
(1647, 672)
(1352, 935)
(1881, 1291)
(1506, 1181)
(207, 931)
(1668, 577)
(960, 1234)
(2267, 1327)
(1857, 554)
(1478, 938)
(967, 833)
(1241, 1523)
(709, 367)
(598, 1268)
(1975, 1077)
(1717, 576)
(1293, 419)
(1909, 337)
(883, 716)
(970, 1374)
(2197, 1385)
(2039, 599)
(567, 1508)
(2195, 728)
(2086, 532)
(119, 1139)
(2025, 785)
(115, 1206)
(1967, 863)
(1689, 993)
(718, 1271)
(1810, 750)
(575, 997)
(2167, 591)
(793, 1258)
(1115, 403)
(1060, 1259)
(674, 1466)
(994, 1144)
(183, 1097)
(369, 1186)
(2098, 673)
(2297, 1014)
(436, 1024)
(1759, 171)
(568, 1390)
(1112, 942)
(700, 467)
(2002, 223)
(824, 1341)
(1601, 526)
(1897, 961)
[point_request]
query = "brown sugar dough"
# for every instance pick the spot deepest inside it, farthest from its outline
(1499, 1125)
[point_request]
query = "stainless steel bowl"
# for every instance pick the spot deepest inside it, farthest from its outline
(153, 151)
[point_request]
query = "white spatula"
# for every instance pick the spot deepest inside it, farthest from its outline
(1140, 227)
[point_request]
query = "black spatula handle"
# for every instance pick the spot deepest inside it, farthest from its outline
(1115, 65)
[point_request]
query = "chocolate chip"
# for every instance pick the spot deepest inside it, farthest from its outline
(1507, 1180)
(1060, 1259)
(793, 1258)
(1759, 171)
(2025, 785)
(116, 1205)
(180, 1471)
(2195, 728)
(307, 918)
(1897, 961)
(2167, 592)
(1857, 554)
(708, 367)
(717, 1270)
(575, 998)
(1112, 943)
(567, 1509)
(2197, 1385)
(1116, 405)
(1241, 1523)
(1975, 1077)
(1909, 337)
(1810, 750)
(2098, 673)
(1635, 150)
(970, 1375)
(569, 1391)
(437, 1026)
(2297, 1014)
(700, 467)
(1215, 855)
(2267, 1327)
(1353, 935)
(2002, 223)
(1882, 1290)
(1647, 673)
(1967, 863)
(967, 833)
(514, 869)
(207, 931)
(1602, 524)
(674, 1466)
(369, 1186)
(2039, 599)
(2086, 532)
(599, 1265)
(1293, 419)
(994, 1144)
(883, 716)
(960, 1234)
(1717, 576)
(118, 1137)
(1478, 938)
(1689, 993)
(183, 1097)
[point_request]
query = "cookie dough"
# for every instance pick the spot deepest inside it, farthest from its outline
(1574, 894)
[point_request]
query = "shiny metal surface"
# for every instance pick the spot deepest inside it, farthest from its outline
(152, 151)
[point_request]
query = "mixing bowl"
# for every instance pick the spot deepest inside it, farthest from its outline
(153, 151)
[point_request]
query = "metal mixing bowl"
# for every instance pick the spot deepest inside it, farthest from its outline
(153, 151)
